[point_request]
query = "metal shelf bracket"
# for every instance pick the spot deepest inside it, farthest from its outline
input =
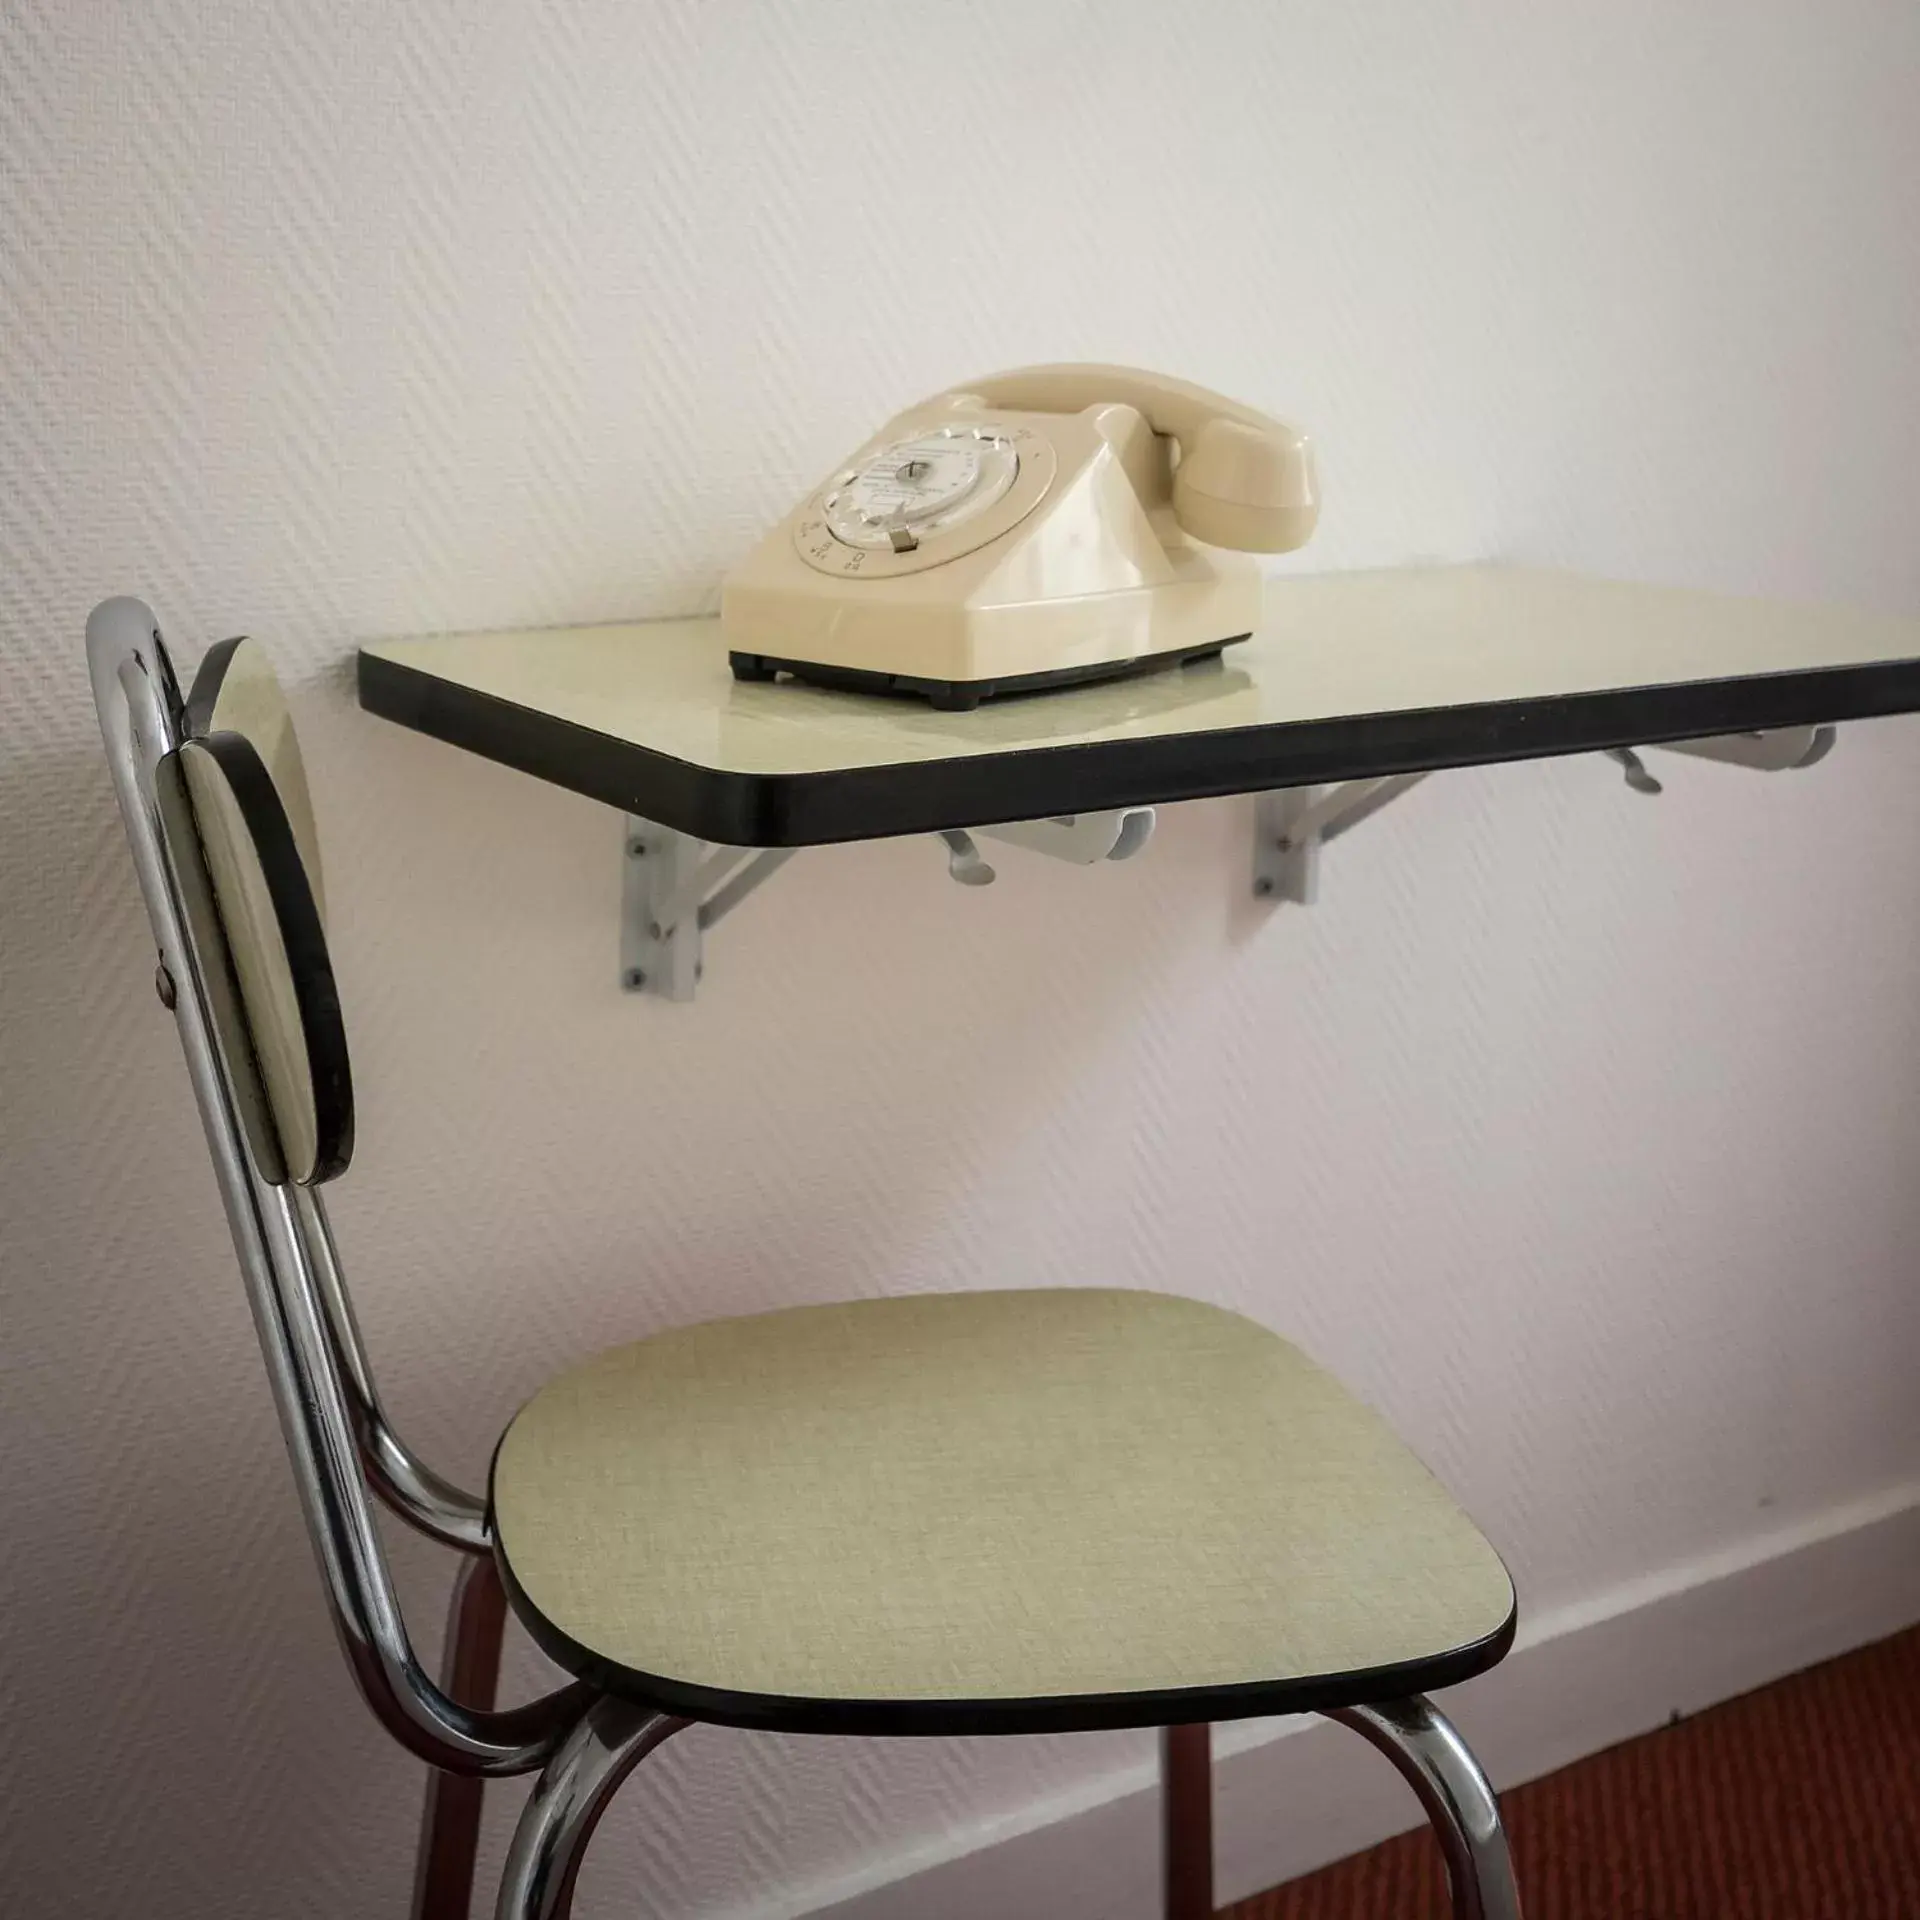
(1292, 824)
(674, 887)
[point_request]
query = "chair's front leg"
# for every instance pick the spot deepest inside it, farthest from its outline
(611, 1739)
(470, 1672)
(1419, 1739)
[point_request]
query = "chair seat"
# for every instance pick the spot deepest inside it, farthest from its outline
(984, 1512)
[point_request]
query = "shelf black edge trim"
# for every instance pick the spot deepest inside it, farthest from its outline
(676, 793)
(882, 802)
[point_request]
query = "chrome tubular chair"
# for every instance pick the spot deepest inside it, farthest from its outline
(994, 1512)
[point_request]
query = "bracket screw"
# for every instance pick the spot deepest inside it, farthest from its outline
(633, 979)
(636, 849)
(1263, 886)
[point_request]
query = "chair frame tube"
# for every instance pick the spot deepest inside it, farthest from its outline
(1457, 1798)
(311, 1349)
(574, 1789)
(423, 1498)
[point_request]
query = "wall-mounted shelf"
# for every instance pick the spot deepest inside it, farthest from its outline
(1372, 678)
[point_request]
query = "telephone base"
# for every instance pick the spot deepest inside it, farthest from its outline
(962, 696)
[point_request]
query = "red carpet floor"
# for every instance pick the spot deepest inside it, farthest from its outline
(1798, 1802)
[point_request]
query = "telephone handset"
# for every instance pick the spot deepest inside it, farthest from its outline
(1036, 528)
(1244, 479)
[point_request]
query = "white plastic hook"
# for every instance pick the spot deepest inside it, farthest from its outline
(1638, 778)
(964, 863)
(1084, 839)
(1771, 750)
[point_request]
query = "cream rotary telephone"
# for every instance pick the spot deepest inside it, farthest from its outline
(1030, 530)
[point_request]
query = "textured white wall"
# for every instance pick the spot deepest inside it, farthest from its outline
(1578, 1131)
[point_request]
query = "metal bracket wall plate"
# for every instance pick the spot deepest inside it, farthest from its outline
(673, 888)
(1292, 824)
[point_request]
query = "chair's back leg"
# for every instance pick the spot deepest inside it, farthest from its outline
(1186, 1822)
(470, 1672)
(1419, 1739)
(611, 1738)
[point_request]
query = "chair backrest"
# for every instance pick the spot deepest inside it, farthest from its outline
(245, 786)
(214, 799)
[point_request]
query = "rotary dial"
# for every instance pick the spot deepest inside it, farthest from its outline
(898, 496)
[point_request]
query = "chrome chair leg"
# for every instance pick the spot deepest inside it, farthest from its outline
(470, 1672)
(611, 1738)
(1419, 1739)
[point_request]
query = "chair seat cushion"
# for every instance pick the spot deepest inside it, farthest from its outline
(1005, 1511)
